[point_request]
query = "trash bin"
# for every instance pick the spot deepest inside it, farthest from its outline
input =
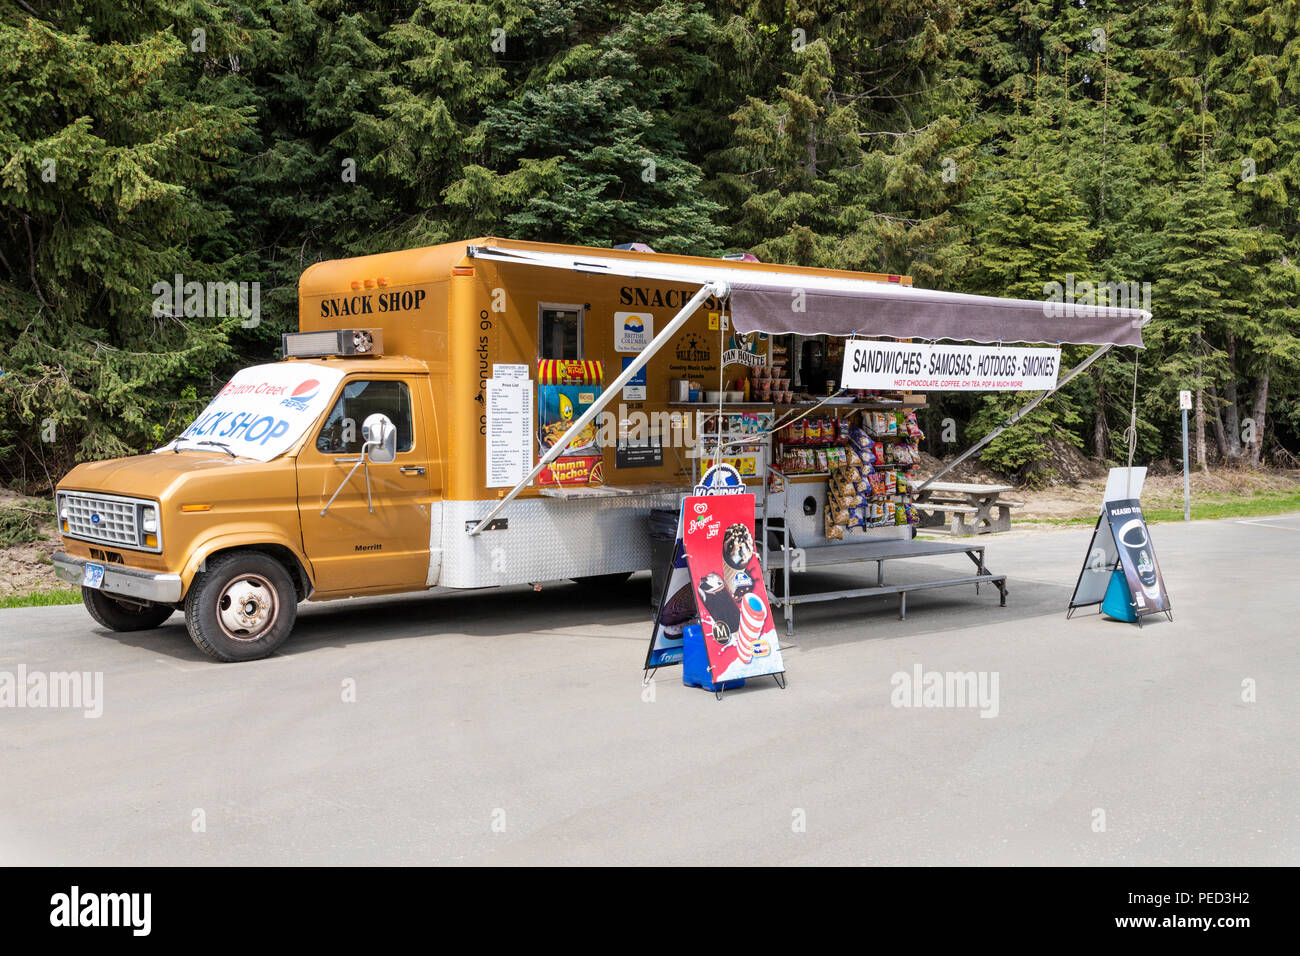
(662, 527)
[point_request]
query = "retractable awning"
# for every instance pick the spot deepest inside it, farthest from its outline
(773, 300)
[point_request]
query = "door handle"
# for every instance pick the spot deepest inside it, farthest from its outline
(412, 469)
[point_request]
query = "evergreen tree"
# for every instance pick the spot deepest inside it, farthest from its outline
(1032, 230)
(583, 150)
(100, 146)
(846, 151)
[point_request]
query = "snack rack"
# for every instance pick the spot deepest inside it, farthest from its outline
(867, 458)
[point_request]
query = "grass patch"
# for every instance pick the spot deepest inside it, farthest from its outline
(47, 598)
(1244, 506)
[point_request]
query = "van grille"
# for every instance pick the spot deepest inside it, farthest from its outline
(101, 518)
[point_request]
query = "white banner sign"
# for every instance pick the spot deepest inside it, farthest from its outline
(263, 411)
(959, 368)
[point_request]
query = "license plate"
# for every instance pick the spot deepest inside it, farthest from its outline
(93, 576)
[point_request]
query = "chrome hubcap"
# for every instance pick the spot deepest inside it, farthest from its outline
(247, 608)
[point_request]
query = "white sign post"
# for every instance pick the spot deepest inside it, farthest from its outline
(1185, 403)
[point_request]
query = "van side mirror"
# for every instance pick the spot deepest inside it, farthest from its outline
(380, 436)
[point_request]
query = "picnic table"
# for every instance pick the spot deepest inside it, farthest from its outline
(963, 508)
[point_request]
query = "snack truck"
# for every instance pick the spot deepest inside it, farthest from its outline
(493, 412)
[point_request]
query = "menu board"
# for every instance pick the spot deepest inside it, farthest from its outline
(509, 431)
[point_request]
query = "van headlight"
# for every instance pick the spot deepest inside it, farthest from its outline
(148, 527)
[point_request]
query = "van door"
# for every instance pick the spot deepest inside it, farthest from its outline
(350, 548)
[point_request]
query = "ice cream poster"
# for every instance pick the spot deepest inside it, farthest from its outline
(727, 578)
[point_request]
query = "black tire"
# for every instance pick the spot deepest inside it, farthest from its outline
(603, 580)
(228, 625)
(121, 616)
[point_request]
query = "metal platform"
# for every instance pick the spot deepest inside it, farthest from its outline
(796, 560)
(577, 492)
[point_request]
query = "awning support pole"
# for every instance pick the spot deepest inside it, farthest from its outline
(1016, 417)
(718, 289)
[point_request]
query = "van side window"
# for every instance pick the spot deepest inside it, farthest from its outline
(559, 331)
(341, 433)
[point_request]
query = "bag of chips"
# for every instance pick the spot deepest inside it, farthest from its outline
(913, 426)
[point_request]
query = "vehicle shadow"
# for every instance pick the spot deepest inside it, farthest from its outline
(956, 608)
(496, 612)
(487, 612)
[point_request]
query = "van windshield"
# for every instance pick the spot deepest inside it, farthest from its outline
(262, 411)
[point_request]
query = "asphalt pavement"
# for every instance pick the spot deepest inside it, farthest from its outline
(501, 727)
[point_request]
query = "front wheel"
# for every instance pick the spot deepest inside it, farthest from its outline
(242, 607)
(122, 615)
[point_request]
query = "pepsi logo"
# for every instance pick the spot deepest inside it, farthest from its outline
(306, 391)
(303, 395)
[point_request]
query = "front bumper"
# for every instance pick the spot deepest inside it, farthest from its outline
(121, 580)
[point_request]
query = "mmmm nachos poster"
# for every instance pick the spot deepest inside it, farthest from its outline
(727, 578)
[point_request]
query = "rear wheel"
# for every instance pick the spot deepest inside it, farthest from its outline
(242, 607)
(122, 615)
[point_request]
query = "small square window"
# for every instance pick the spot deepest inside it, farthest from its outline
(559, 334)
